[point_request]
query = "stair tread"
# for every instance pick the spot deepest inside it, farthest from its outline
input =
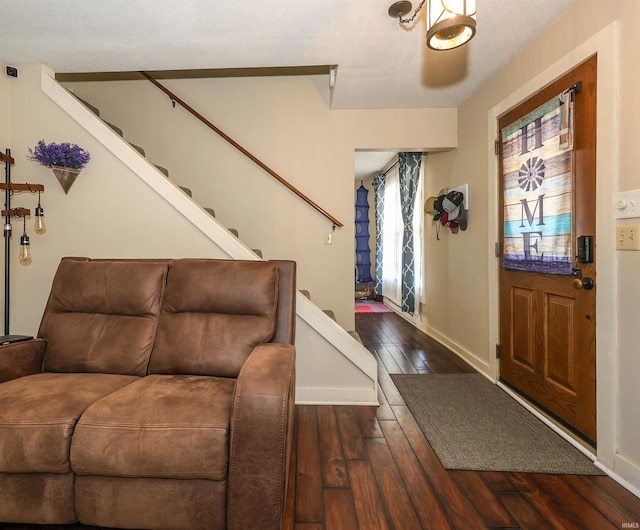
(93, 109)
(138, 148)
(330, 314)
(187, 191)
(115, 128)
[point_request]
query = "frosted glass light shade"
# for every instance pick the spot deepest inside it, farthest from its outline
(450, 23)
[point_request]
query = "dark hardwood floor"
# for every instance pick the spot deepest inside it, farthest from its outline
(371, 468)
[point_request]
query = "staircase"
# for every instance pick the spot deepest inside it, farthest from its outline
(332, 316)
(333, 367)
(188, 192)
(162, 170)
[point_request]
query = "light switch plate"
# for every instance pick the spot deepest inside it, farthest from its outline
(628, 237)
(628, 204)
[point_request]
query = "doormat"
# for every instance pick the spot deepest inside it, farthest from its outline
(369, 306)
(472, 424)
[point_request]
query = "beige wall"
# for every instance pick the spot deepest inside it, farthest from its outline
(4, 112)
(109, 212)
(287, 123)
(461, 270)
(455, 288)
(4, 144)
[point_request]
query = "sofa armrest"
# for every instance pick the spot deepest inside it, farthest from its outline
(261, 438)
(21, 358)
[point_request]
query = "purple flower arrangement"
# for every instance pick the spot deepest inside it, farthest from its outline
(60, 155)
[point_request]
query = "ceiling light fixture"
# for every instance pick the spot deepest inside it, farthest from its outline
(450, 23)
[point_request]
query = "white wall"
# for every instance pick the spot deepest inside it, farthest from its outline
(287, 123)
(461, 269)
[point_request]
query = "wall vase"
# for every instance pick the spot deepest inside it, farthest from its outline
(66, 176)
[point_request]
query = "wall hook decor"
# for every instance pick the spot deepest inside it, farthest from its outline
(449, 208)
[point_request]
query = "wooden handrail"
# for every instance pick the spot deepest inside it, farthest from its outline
(242, 149)
(6, 158)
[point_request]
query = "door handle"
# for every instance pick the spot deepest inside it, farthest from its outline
(588, 283)
(584, 283)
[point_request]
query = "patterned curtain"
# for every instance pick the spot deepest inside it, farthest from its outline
(378, 190)
(409, 168)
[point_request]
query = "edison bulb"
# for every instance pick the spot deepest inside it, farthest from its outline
(41, 227)
(24, 256)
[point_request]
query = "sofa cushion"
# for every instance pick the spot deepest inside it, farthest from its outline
(213, 314)
(37, 498)
(102, 316)
(38, 414)
(162, 426)
(123, 502)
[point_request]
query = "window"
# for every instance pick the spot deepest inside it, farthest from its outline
(392, 237)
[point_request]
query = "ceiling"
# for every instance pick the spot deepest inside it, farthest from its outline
(379, 63)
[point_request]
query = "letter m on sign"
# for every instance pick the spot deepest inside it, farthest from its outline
(526, 211)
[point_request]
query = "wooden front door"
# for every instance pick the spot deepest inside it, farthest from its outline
(548, 321)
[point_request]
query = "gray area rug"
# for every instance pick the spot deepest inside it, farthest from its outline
(472, 424)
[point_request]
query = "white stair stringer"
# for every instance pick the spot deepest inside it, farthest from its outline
(340, 370)
(145, 170)
(331, 366)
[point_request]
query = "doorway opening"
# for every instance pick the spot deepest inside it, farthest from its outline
(394, 183)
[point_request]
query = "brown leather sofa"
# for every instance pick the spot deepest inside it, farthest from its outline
(158, 394)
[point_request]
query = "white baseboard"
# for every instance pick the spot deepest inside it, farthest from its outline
(625, 473)
(336, 396)
(465, 355)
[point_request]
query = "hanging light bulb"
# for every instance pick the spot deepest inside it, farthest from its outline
(25, 249)
(41, 227)
(450, 23)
